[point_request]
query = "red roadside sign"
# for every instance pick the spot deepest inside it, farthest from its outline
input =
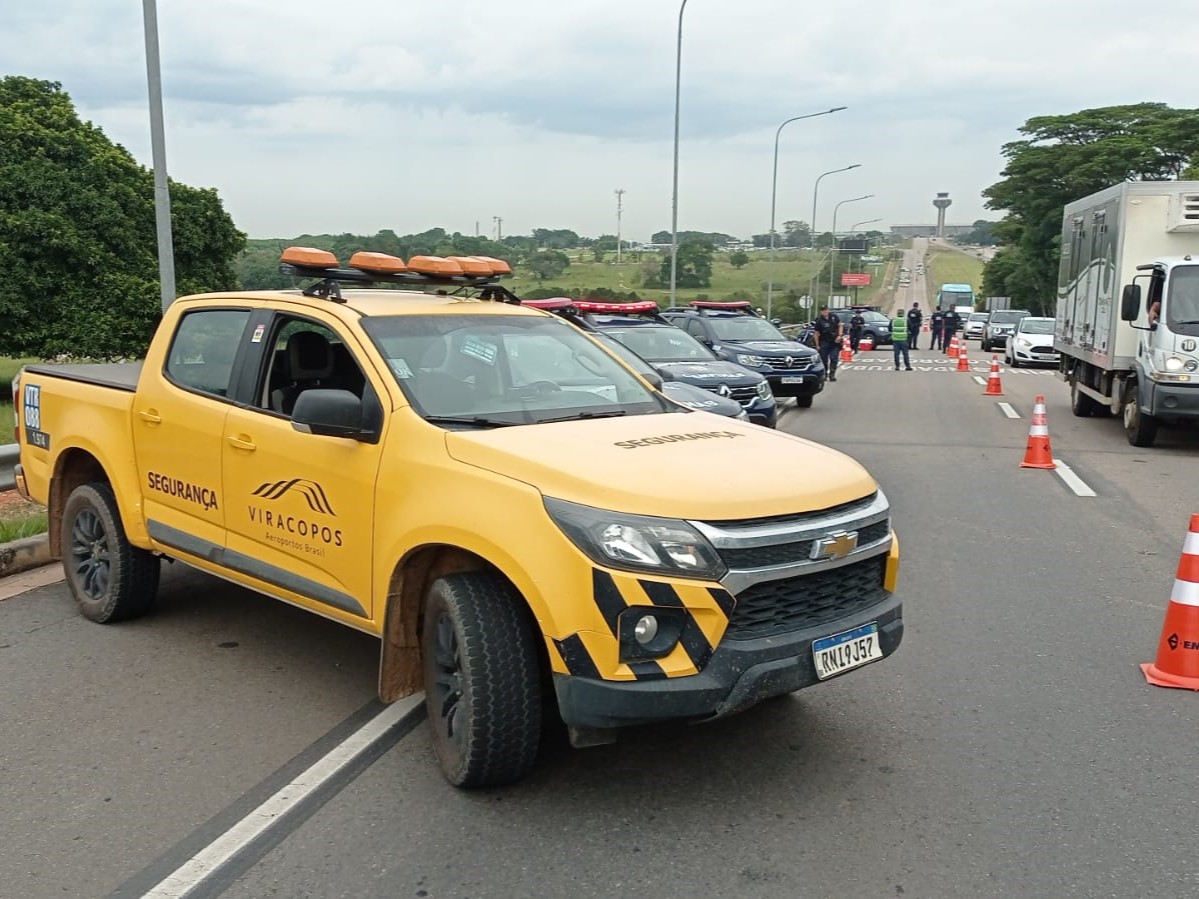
(855, 279)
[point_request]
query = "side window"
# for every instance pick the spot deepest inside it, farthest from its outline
(201, 356)
(307, 354)
(696, 328)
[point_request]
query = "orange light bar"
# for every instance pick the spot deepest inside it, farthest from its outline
(472, 265)
(618, 308)
(308, 256)
(498, 266)
(377, 262)
(434, 265)
(732, 304)
(549, 304)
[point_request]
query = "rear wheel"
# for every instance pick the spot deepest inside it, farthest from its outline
(1141, 429)
(110, 578)
(1082, 405)
(481, 680)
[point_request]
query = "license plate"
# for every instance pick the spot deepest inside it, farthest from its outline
(792, 379)
(849, 649)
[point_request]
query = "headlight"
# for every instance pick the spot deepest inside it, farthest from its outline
(751, 361)
(764, 391)
(1191, 365)
(1021, 341)
(1173, 363)
(636, 542)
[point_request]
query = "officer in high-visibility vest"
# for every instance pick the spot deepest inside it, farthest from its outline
(899, 339)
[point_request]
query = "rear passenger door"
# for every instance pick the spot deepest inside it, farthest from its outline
(301, 513)
(178, 418)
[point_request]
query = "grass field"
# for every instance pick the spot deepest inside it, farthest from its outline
(947, 266)
(6, 422)
(792, 270)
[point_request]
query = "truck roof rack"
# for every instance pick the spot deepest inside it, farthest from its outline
(477, 273)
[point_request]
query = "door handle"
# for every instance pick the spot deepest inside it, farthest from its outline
(242, 442)
(150, 417)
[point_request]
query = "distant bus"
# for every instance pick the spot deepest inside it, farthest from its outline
(956, 296)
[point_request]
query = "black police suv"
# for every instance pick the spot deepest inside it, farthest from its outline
(735, 332)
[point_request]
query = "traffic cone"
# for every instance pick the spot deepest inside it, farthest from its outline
(994, 385)
(846, 352)
(1038, 454)
(953, 349)
(1177, 663)
(963, 361)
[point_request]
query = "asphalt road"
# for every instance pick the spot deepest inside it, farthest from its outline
(1010, 748)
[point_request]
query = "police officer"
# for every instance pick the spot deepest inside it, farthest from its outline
(949, 326)
(828, 339)
(915, 320)
(856, 324)
(937, 318)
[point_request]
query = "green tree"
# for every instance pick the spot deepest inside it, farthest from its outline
(694, 265)
(77, 233)
(548, 264)
(795, 234)
(739, 259)
(1066, 157)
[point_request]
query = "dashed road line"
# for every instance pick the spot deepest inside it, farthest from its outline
(1006, 409)
(980, 380)
(1073, 481)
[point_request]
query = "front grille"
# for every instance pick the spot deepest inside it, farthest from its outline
(796, 364)
(798, 518)
(796, 551)
(1041, 349)
(791, 604)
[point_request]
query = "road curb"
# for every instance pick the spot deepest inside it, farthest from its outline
(22, 555)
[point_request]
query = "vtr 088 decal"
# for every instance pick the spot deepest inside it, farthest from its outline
(306, 533)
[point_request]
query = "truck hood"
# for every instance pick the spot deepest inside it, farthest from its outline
(687, 465)
(709, 373)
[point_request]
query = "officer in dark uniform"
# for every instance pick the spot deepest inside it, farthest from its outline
(949, 327)
(856, 324)
(915, 320)
(828, 339)
(937, 318)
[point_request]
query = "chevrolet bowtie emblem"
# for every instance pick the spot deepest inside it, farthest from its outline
(835, 546)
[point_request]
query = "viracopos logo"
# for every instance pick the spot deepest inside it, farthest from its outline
(312, 492)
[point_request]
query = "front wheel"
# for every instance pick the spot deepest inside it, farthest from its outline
(804, 402)
(110, 578)
(481, 679)
(1140, 429)
(1081, 405)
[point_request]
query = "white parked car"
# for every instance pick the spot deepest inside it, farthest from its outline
(974, 325)
(1031, 343)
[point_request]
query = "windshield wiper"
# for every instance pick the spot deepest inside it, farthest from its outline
(579, 416)
(478, 421)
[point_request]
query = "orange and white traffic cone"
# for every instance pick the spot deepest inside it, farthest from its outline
(1177, 663)
(1038, 454)
(846, 352)
(953, 349)
(963, 361)
(994, 385)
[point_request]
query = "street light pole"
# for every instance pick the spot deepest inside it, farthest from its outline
(158, 149)
(832, 256)
(774, 183)
(815, 191)
(674, 205)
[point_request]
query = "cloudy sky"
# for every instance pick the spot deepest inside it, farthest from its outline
(314, 117)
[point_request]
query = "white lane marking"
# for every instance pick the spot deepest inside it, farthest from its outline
(980, 380)
(204, 863)
(1007, 410)
(1073, 481)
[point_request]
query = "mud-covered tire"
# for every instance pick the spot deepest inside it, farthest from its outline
(481, 676)
(110, 579)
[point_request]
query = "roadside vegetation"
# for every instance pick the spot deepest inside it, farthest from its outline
(22, 523)
(949, 266)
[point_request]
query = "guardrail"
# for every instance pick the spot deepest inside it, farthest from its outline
(9, 454)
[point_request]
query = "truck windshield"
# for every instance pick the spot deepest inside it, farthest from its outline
(745, 327)
(493, 370)
(665, 344)
(1182, 305)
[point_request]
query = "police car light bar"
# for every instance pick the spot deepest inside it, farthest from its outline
(731, 304)
(618, 308)
(550, 305)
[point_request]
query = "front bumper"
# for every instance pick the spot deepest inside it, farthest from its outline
(1028, 354)
(740, 674)
(1174, 400)
(763, 412)
(796, 383)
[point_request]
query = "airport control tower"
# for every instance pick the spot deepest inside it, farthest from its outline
(942, 203)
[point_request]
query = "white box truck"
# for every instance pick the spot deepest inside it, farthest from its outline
(1128, 304)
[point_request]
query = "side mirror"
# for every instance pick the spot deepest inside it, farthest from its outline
(328, 413)
(1130, 302)
(776, 322)
(655, 379)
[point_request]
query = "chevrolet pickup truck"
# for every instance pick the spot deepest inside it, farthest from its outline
(512, 510)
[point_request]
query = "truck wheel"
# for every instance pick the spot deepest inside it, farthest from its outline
(803, 402)
(110, 578)
(481, 680)
(1141, 429)
(1082, 405)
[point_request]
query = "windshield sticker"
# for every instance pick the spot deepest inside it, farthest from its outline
(400, 368)
(258, 332)
(479, 349)
(674, 438)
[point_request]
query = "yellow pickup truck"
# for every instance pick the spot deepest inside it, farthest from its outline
(516, 514)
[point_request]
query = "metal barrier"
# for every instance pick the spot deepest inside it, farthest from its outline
(9, 454)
